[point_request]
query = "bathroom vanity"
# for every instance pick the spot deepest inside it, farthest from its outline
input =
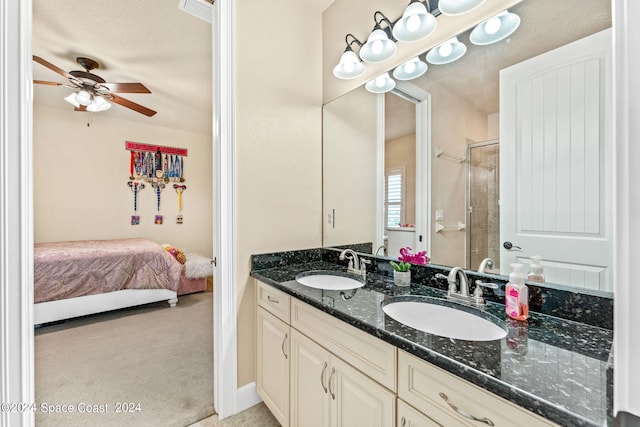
(333, 357)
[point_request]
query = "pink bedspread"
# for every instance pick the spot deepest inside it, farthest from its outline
(72, 269)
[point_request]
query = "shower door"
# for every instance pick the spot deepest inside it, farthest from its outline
(483, 205)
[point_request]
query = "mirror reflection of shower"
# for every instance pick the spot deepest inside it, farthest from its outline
(483, 204)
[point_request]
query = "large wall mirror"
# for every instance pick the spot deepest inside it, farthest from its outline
(505, 153)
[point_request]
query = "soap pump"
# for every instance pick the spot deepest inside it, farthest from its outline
(517, 294)
(536, 273)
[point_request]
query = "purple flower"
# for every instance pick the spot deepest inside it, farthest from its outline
(417, 258)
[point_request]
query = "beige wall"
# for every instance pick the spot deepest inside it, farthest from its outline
(81, 174)
(279, 146)
(455, 123)
(350, 170)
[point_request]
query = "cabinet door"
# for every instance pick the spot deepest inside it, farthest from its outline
(310, 373)
(273, 364)
(409, 417)
(357, 400)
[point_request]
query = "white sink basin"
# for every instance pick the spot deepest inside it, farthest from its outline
(328, 280)
(438, 317)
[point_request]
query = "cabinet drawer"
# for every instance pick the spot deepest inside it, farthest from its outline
(374, 357)
(274, 301)
(421, 385)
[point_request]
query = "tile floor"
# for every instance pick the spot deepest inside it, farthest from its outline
(256, 416)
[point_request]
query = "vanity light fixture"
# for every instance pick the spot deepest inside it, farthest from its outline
(416, 23)
(495, 29)
(350, 65)
(447, 52)
(381, 84)
(458, 7)
(410, 69)
(379, 46)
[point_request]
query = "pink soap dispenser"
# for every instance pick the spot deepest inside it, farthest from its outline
(516, 300)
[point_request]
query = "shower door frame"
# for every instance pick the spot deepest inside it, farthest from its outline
(468, 207)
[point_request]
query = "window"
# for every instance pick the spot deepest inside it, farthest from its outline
(394, 197)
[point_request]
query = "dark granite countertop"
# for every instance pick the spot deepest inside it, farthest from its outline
(556, 368)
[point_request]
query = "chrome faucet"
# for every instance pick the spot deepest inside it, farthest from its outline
(463, 294)
(486, 263)
(356, 265)
(453, 279)
(384, 250)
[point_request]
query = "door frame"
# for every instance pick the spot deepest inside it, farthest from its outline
(16, 211)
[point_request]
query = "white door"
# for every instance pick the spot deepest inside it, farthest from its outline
(556, 181)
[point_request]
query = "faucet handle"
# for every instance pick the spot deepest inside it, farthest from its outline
(477, 293)
(441, 276)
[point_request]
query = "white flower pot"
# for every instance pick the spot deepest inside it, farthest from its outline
(401, 278)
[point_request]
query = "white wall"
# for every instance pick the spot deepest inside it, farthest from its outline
(81, 174)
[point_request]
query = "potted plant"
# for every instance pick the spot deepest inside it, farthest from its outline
(401, 273)
(402, 269)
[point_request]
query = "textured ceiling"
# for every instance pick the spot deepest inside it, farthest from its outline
(146, 41)
(545, 25)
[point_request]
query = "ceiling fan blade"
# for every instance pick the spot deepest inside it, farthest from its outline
(132, 105)
(44, 82)
(126, 87)
(52, 67)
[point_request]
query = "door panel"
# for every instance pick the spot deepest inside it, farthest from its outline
(556, 152)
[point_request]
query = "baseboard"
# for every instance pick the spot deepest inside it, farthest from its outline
(247, 396)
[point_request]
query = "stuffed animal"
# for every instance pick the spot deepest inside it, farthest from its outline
(177, 253)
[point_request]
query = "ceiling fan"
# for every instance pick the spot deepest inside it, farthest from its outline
(93, 91)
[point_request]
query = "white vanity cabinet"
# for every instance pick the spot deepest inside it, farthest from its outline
(451, 401)
(326, 391)
(315, 370)
(273, 352)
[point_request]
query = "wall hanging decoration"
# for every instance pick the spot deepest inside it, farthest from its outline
(135, 188)
(158, 166)
(179, 190)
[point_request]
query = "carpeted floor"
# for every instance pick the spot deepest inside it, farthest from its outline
(145, 366)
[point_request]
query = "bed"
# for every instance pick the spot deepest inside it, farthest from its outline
(77, 278)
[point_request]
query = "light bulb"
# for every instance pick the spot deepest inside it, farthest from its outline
(83, 98)
(409, 67)
(445, 50)
(380, 81)
(376, 47)
(413, 23)
(349, 67)
(493, 25)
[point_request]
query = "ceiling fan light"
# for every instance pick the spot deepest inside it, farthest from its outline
(458, 7)
(378, 47)
(410, 69)
(72, 99)
(416, 23)
(495, 29)
(447, 52)
(98, 104)
(83, 97)
(349, 66)
(381, 84)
